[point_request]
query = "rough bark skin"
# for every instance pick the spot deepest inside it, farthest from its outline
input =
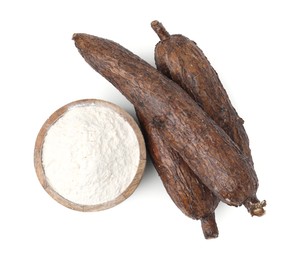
(202, 144)
(188, 193)
(183, 61)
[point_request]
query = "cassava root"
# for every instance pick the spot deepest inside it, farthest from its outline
(183, 61)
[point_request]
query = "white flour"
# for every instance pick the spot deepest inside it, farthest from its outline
(90, 155)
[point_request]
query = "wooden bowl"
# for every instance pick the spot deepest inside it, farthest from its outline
(41, 172)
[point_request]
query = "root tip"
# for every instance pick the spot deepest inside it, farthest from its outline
(256, 208)
(75, 36)
(209, 227)
(160, 30)
(154, 23)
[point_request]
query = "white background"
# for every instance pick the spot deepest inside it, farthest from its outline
(247, 42)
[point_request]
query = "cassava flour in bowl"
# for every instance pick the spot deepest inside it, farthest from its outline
(92, 155)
